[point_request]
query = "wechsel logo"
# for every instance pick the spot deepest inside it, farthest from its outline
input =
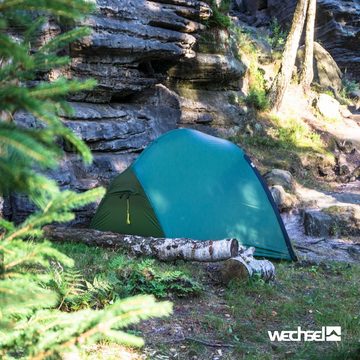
(327, 333)
(333, 333)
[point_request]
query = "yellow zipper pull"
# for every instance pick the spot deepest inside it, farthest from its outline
(128, 211)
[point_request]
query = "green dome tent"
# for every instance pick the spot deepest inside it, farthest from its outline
(189, 184)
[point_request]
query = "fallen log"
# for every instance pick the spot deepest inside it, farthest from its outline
(165, 249)
(244, 266)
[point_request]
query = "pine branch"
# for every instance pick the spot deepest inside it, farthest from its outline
(30, 293)
(74, 10)
(64, 39)
(21, 141)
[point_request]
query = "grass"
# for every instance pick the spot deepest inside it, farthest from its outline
(239, 315)
(310, 297)
(294, 133)
(287, 143)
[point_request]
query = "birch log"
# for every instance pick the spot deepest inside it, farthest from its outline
(164, 249)
(244, 266)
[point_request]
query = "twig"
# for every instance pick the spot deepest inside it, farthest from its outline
(306, 249)
(303, 248)
(200, 341)
(318, 241)
(208, 343)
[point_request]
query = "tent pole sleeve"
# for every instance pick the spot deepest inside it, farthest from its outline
(276, 211)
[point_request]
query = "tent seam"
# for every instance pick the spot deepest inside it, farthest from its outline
(276, 211)
(149, 200)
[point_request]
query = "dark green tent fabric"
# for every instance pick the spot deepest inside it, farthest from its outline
(125, 209)
(197, 186)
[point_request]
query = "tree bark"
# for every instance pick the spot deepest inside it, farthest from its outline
(245, 266)
(283, 78)
(307, 72)
(164, 249)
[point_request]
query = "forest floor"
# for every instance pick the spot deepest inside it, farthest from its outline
(211, 321)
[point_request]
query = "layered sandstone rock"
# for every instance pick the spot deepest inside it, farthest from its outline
(152, 77)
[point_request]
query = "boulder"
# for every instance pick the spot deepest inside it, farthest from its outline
(249, 6)
(326, 72)
(345, 112)
(206, 107)
(112, 135)
(317, 223)
(348, 165)
(104, 168)
(283, 200)
(328, 107)
(346, 219)
(333, 221)
(280, 177)
(213, 41)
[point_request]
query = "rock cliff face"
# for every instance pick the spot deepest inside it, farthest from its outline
(153, 76)
(158, 68)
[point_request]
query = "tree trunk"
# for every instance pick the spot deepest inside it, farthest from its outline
(307, 73)
(245, 266)
(164, 249)
(283, 77)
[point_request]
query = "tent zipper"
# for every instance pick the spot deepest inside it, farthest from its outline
(128, 211)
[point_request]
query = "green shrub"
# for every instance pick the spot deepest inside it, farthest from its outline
(219, 18)
(257, 91)
(257, 98)
(242, 43)
(277, 36)
(294, 133)
(348, 87)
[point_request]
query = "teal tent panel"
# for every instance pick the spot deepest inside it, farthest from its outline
(203, 187)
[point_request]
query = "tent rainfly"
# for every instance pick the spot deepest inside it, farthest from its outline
(189, 184)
